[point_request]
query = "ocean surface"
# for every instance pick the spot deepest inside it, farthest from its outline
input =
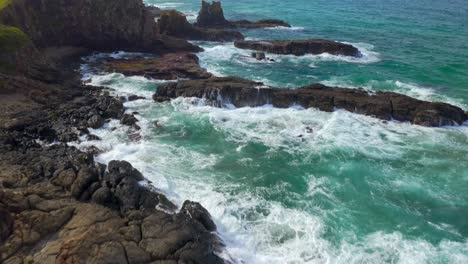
(305, 186)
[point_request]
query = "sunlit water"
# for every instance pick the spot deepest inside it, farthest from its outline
(305, 186)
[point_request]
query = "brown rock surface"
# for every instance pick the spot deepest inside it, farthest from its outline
(167, 67)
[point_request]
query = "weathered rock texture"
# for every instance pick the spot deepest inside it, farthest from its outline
(57, 205)
(175, 24)
(383, 105)
(168, 67)
(212, 16)
(96, 25)
(300, 47)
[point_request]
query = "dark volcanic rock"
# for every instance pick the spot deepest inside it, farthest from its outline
(212, 16)
(383, 105)
(168, 67)
(300, 47)
(174, 23)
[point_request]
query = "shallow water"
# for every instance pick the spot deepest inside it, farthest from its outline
(305, 186)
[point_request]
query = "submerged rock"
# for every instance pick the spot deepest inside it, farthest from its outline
(168, 67)
(300, 47)
(212, 16)
(384, 105)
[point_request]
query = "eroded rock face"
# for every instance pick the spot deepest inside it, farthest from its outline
(174, 23)
(168, 67)
(97, 25)
(384, 105)
(212, 16)
(300, 47)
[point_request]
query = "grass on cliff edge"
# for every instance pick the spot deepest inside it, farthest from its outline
(4, 3)
(12, 38)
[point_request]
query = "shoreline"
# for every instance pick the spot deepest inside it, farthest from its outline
(56, 202)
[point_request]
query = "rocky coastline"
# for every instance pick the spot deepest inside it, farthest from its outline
(57, 204)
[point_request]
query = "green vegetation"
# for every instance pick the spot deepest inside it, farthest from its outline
(4, 3)
(11, 39)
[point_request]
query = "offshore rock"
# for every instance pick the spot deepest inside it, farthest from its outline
(300, 47)
(384, 105)
(174, 23)
(168, 67)
(212, 16)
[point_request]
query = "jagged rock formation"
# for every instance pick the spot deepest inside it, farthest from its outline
(175, 24)
(212, 16)
(96, 25)
(300, 47)
(383, 105)
(168, 67)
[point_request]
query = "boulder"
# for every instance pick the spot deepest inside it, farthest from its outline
(167, 67)
(96, 121)
(222, 91)
(128, 120)
(300, 47)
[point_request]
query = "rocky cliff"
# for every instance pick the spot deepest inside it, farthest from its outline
(96, 25)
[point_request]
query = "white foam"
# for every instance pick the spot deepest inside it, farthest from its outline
(286, 28)
(256, 230)
(410, 89)
(168, 5)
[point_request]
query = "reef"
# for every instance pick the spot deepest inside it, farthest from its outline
(221, 91)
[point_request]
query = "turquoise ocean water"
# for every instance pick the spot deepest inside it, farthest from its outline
(352, 190)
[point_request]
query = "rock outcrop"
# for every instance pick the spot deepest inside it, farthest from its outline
(97, 25)
(212, 16)
(384, 105)
(57, 205)
(168, 67)
(300, 47)
(174, 23)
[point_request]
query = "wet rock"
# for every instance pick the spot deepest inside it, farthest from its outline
(197, 212)
(260, 55)
(95, 121)
(128, 120)
(168, 67)
(300, 47)
(221, 91)
(212, 16)
(134, 97)
(114, 108)
(92, 137)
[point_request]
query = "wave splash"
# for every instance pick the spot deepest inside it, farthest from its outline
(257, 230)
